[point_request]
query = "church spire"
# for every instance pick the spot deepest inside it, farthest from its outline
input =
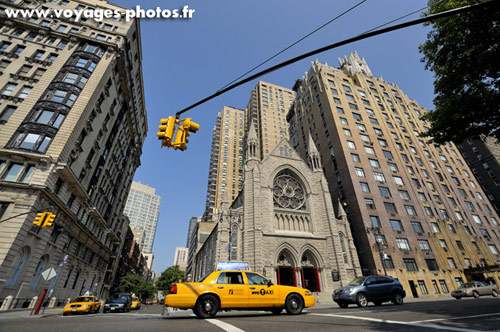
(252, 143)
(313, 154)
(340, 210)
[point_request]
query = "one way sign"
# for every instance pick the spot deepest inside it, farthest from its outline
(49, 273)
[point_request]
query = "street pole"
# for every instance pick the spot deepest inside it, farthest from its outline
(376, 231)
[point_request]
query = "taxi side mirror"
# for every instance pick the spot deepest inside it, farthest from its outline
(269, 283)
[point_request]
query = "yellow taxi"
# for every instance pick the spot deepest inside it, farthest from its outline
(237, 290)
(82, 305)
(136, 303)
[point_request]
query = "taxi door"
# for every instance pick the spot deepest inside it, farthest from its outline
(232, 290)
(260, 294)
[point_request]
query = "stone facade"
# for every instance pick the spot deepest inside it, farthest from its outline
(73, 122)
(283, 224)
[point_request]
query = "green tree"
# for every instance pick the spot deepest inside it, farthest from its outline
(168, 277)
(133, 283)
(147, 289)
(463, 51)
(130, 283)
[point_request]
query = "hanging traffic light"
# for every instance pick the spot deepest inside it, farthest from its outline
(39, 219)
(166, 131)
(49, 220)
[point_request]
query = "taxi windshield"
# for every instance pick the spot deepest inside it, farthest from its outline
(83, 299)
(356, 282)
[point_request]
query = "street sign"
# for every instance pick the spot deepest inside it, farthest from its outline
(49, 273)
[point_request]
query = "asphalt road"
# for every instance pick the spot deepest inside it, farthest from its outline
(448, 315)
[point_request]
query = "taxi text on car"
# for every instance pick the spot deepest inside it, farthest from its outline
(237, 290)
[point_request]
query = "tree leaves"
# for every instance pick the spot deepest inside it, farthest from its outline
(168, 277)
(463, 51)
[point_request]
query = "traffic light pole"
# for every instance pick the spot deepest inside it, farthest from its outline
(22, 214)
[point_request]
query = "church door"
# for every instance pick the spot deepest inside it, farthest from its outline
(310, 279)
(286, 276)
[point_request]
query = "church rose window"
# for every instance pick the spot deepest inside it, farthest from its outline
(288, 193)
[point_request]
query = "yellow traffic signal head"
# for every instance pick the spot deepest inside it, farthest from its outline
(40, 217)
(49, 220)
(190, 125)
(166, 131)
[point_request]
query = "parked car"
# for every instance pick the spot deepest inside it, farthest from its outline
(237, 290)
(118, 302)
(376, 289)
(82, 305)
(148, 301)
(476, 289)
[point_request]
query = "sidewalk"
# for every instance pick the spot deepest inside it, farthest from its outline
(26, 313)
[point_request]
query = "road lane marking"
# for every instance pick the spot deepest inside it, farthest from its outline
(386, 321)
(225, 326)
(451, 318)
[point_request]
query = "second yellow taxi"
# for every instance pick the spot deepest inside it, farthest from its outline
(136, 303)
(237, 290)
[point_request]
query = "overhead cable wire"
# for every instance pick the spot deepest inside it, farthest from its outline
(293, 44)
(428, 18)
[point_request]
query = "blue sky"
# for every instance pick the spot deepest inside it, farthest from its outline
(187, 60)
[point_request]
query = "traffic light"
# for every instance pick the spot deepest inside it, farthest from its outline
(166, 131)
(49, 220)
(40, 217)
(186, 127)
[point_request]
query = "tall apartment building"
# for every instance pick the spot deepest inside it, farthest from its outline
(225, 174)
(267, 109)
(483, 158)
(197, 234)
(143, 210)
(73, 122)
(416, 209)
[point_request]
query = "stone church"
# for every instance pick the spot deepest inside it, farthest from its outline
(283, 224)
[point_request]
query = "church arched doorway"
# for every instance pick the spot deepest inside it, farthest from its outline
(309, 272)
(286, 269)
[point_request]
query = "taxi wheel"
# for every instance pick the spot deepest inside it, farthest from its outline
(294, 304)
(207, 306)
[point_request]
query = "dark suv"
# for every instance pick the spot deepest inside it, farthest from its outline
(376, 289)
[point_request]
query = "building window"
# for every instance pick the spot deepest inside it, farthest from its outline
(387, 262)
(417, 227)
(397, 225)
(444, 287)
(403, 243)
(436, 288)
(379, 177)
(443, 245)
(32, 141)
(369, 204)
(410, 264)
(359, 172)
(8, 89)
(17, 266)
(364, 187)
(422, 286)
(375, 221)
(6, 113)
(424, 245)
(390, 208)
(384, 191)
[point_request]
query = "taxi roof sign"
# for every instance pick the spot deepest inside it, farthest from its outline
(229, 265)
